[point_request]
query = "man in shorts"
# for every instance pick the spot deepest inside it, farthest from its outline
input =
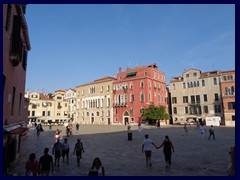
(147, 147)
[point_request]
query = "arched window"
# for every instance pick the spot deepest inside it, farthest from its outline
(184, 85)
(141, 84)
(131, 85)
(131, 97)
(141, 97)
(215, 81)
(131, 111)
(141, 111)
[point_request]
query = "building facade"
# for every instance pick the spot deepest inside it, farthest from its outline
(228, 96)
(16, 45)
(70, 96)
(94, 102)
(51, 107)
(195, 96)
(134, 90)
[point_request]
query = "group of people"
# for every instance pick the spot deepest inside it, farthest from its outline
(46, 164)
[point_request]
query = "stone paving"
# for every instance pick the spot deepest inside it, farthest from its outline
(193, 156)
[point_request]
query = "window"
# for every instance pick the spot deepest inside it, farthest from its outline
(175, 110)
(194, 84)
(186, 110)
(185, 99)
(131, 97)
(174, 87)
(116, 111)
(217, 108)
(174, 100)
(216, 96)
(132, 119)
(43, 113)
(194, 74)
(116, 119)
(205, 108)
(198, 99)
(192, 99)
(141, 111)
(197, 83)
(141, 84)
(224, 78)
(20, 105)
(145, 73)
(108, 88)
(203, 82)
(205, 97)
(13, 100)
(184, 85)
(187, 75)
(215, 81)
(49, 113)
(229, 90)
(131, 85)
(33, 113)
(149, 83)
(230, 77)
(188, 85)
(59, 97)
(231, 105)
(141, 97)
(131, 111)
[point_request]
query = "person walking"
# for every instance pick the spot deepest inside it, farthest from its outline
(31, 165)
(167, 150)
(56, 151)
(185, 128)
(158, 124)
(211, 133)
(129, 127)
(45, 164)
(57, 134)
(78, 149)
(146, 147)
(65, 150)
(77, 127)
(139, 127)
(202, 131)
(97, 168)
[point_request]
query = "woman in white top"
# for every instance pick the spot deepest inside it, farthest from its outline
(97, 168)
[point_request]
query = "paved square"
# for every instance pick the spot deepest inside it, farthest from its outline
(193, 156)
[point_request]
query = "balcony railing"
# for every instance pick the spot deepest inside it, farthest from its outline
(228, 94)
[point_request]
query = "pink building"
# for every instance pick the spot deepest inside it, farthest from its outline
(134, 90)
(16, 45)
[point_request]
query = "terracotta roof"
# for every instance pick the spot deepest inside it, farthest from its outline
(44, 97)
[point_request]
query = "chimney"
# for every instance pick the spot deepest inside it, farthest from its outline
(120, 70)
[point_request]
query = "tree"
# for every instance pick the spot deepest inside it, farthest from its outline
(153, 113)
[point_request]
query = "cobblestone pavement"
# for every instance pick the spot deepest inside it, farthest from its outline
(193, 156)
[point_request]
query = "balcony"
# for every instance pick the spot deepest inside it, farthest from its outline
(228, 94)
(194, 103)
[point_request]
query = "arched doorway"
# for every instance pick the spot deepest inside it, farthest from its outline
(126, 118)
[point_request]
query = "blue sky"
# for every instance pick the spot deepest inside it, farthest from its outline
(76, 44)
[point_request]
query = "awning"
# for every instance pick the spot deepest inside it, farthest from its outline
(131, 74)
(20, 130)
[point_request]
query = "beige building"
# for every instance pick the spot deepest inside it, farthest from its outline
(44, 107)
(70, 97)
(94, 102)
(195, 96)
